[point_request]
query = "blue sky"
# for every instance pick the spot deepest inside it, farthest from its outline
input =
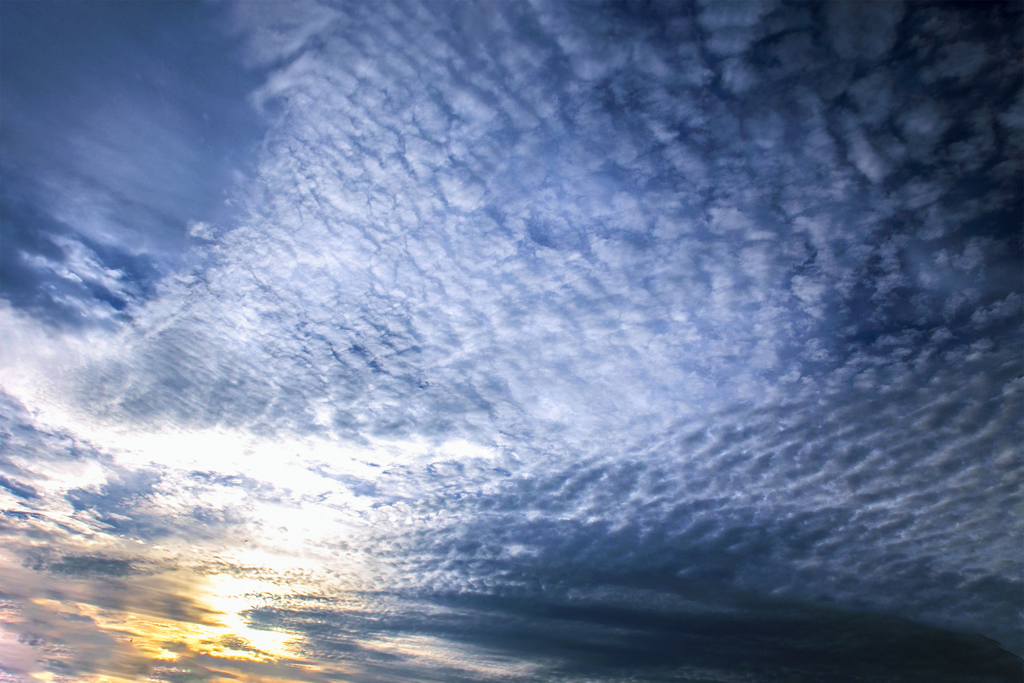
(511, 341)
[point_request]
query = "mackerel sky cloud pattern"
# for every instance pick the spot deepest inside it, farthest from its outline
(512, 341)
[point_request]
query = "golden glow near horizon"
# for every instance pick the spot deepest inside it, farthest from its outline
(193, 624)
(222, 631)
(181, 612)
(182, 607)
(138, 628)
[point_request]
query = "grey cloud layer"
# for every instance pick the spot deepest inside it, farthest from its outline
(733, 291)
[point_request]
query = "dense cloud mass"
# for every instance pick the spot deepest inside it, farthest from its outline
(533, 342)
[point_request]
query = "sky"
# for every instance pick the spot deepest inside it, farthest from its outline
(576, 342)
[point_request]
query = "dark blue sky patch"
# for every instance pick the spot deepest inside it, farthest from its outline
(122, 125)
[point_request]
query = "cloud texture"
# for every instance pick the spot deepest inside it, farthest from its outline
(557, 342)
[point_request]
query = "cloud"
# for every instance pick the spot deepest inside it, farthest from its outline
(864, 30)
(631, 632)
(557, 343)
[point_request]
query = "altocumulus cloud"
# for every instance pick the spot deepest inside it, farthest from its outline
(539, 341)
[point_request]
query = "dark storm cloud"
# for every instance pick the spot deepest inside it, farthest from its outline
(695, 329)
(657, 629)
